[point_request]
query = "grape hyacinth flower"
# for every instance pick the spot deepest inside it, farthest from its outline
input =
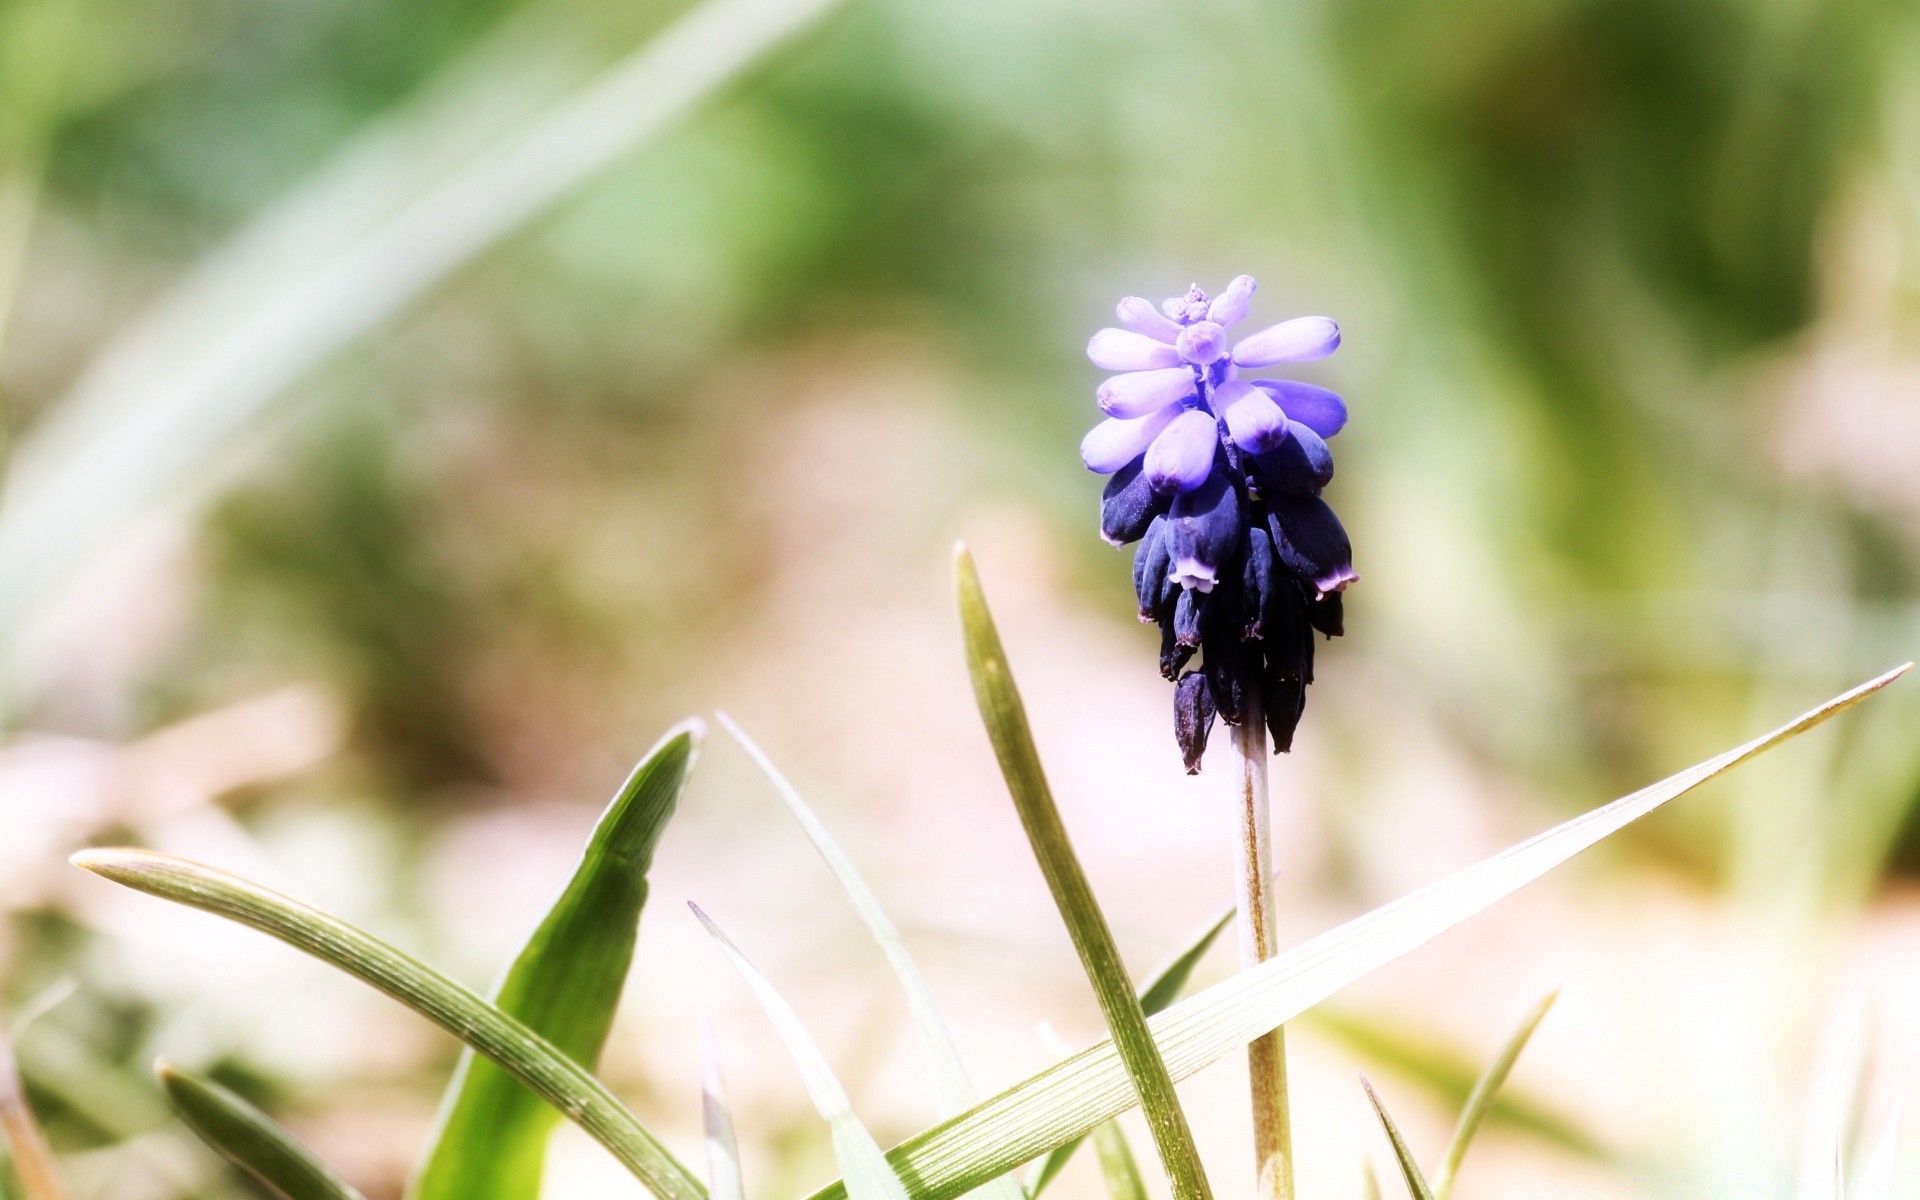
(1218, 477)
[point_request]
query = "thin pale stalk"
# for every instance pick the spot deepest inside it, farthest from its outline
(32, 1157)
(1267, 1056)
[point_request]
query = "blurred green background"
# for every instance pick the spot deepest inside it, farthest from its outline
(404, 427)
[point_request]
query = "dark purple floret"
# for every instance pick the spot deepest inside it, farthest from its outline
(1219, 478)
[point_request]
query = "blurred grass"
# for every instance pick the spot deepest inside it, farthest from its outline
(1599, 263)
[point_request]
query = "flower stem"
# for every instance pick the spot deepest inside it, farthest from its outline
(1266, 1056)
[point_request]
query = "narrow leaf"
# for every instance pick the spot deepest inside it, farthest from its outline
(1069, 1098)
(1162, 990)
(1416, 1182)
(20, 1134)
(725, 1181)
(565, 985)
(952, 1084)
(868, 1177)
(250, 1139)
(1116, 1162)
(1369, 1182)
(1480, 1100)
(1006, 721)
(526, 1055)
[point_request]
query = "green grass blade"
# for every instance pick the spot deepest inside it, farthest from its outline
(1452, 1077)
(1116, 1162)
(1416, 1182)
(865, 1168)
(565, 985)
(952, 1084)
(20, 1135)
(1006, 721)
(1485, 1089)
(1163, 989)
(1369, 1182)
(1069, 1098)
(725, 1180)
(250, 1139)
(526, 1055)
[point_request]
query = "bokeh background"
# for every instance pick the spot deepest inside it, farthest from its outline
(415, 408)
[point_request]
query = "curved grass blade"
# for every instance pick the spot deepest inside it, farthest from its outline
(1116, 1162)
(1485, 1089)
(1006, 720)
(565, 985)
(1369, 1182)
(725, 1181)
(865, 1168)
(20, 1133)
(1164, 988)
(952, 1084)
(1452, 1077)
(1069, 1098)
(524, 1054)
(249, 1139)
(1416, 1182)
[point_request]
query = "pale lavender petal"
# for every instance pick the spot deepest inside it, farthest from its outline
(1181, 458)
(1122, 350)
(1140, 315)
(1203, 343)
(1230, 306)
(1297, 340)
(1143, 392)
(1315, 407)
(1254, 420)
(1114, 443)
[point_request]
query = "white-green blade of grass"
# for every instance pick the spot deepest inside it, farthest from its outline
(525, 1055)
(1117, 1166)
(864, 1168)
(1485, 1090)
(1839, 1079)
(1409, 1169)
(1163, 989)
(249, 1138)
(1005, 717)
(565, 984)
(952, 1085)
(1369, 1182)
(1069, 1098)
(725, 1180)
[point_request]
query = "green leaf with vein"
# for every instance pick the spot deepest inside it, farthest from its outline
(1409, 1169)
(865, 1168)
(565, 985)
(1116, 1162)
(951, 1081)
(1485, 1089)
(1071, 1097)
(1162, 990)
(249, 1138)
(1006, 720)
(525, 1055)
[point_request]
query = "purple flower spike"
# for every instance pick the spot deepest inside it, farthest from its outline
(1143, 392)
(1240, 561)
(1123, 350)
(1181, 458)
(1117, 441)
(1298, 340)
